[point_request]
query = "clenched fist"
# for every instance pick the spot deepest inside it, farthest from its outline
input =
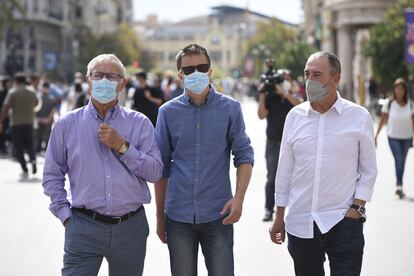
(108, 136)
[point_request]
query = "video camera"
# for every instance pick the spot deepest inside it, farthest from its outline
(270, 79)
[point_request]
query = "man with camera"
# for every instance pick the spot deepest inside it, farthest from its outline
(274, 105)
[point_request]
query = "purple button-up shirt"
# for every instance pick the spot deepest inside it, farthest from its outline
(100, 179)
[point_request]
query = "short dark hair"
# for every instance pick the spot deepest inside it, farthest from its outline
(191, 49)
(46, 85)
(20, 78)
(333, 60)
(142, 75)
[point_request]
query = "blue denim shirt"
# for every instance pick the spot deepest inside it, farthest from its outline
(195, 144)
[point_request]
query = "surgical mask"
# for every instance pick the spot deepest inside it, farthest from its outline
(104, 91)
(315, 91)
(196, 82)
(287, 86)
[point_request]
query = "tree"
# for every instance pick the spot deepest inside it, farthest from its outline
(281, 43)
(7, 9)
(386, 45)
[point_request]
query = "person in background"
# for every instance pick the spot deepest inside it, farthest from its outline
(398, 113)
(21, 102)
(6, 84)
(109, 153)
(45, 118)
(275, 101)
(326, 174)
(196, 133)
(147, 99)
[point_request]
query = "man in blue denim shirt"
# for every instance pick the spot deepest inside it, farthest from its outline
(196, 133)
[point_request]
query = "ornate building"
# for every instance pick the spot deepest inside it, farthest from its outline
(224, 33)
(44, 37)
(341, 26)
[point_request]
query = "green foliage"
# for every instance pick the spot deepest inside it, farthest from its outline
(386, 45)
(295, 56)
(123, 43)
(7, 8)
(279, 42)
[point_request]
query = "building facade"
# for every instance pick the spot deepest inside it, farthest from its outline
(224, 33)
(44, 39)
(341, 27)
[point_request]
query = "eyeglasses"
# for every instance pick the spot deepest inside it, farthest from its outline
(203, 68)
(109, 76)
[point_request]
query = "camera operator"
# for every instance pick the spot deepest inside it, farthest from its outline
(274, 104)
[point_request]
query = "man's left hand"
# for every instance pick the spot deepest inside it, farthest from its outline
(108, 136)
(235, 206)
(353, 214)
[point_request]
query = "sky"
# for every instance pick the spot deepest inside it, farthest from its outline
(176, 10)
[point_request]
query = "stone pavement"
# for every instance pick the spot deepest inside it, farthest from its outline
(31, 238)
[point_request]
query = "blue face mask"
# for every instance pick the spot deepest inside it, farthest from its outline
(196, 82)
(104, 91)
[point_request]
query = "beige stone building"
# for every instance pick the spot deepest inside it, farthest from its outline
(341, 26)
(224, 33)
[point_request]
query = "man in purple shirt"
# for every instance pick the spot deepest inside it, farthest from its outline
(109, 153)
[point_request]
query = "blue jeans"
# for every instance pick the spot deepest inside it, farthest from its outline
(272, 158)
(216, 240)
(344, 245)
(399, 148)
(87, 241)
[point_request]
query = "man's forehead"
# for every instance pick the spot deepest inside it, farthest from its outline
(317, 62)
(194, 59)
(107, 67)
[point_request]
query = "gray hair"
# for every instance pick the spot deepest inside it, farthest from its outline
(333, 60)
(106, 58)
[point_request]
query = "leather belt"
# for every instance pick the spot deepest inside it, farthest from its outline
(107, 219)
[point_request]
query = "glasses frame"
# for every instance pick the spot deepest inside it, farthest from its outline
(107, 76)
(203, 68)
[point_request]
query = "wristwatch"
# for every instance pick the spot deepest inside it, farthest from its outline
(123, 148)
(361, 211)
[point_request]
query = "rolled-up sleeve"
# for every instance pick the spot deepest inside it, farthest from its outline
(164, 142)
(367, 165)
(285, 168)
(240, 142)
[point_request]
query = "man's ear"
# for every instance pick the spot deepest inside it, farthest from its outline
(180, 76)
(209, 72)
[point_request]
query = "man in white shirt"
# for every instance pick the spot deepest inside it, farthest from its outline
(327, 170)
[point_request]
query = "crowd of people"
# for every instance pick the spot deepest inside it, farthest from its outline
(179, 133)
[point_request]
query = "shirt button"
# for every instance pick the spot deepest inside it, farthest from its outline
(198, 144)
(198, 126)
(109, 195)
(125, 161)
(106, 158)
(196, 179)
(107, 176)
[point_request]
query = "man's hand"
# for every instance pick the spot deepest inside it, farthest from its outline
(277, 230)
(162, 235)
(235, 206)
(353, 214)
(66, 221)
(108, 136)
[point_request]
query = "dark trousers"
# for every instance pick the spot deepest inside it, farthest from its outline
(272, 158)
(22, 137)
(344, 245)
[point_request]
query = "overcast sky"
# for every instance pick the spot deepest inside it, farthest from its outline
(176, 10)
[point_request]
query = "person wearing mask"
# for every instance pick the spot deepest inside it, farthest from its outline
(147, 99)
(398, 114)
(326, 174)
(21, 102)
(196, 133)
(108, 153)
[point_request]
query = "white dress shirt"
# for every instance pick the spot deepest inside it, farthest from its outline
(326, 160)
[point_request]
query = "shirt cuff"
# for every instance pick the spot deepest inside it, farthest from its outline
(281, 200)
(64, 213)
(364, 193)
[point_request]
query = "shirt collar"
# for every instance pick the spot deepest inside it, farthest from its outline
(209, 98)
(112, 113)
(338, 105)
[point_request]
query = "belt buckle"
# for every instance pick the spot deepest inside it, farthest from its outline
(119, 219)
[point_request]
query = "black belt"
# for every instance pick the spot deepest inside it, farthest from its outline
(107, 219)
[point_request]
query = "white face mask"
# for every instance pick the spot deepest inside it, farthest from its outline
(316, 91)
(287, 86)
